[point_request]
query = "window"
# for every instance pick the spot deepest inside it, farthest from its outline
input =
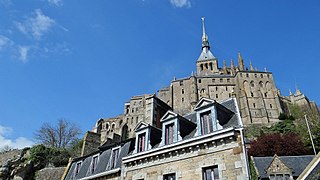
(206, 122)
(182, 91)
(216, 95)
(210, 173)
(255, 75)
(94, 163)
(251, 94)
(254, 105)
(114, 157)
(247, 75)
(226, 88)
(182, 99)
(213, 80)
(240, 74)
(141, 142)
(77, 170)
(228, 80)
(169, 133)
(169, 176)
(261, 75)
(271, 106)
(216, 88)
(199, 80)
(181, 83)
(221, 80)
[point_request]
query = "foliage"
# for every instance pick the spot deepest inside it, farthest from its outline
(275, 143)
(59, 135)
(75, 148)
(42, 156)
(284, 116)
(285, 126)
(253, 172)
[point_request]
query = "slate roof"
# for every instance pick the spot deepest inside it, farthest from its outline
(206, 55)
(230, 104)
(296, 163)
(103, 161)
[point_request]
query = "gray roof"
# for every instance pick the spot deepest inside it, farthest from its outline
(206, 55)
(296, 163)
(233, 119)
(103, 161)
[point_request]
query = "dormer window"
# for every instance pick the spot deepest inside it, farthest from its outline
(94, 163)
(114, 157)
(169, 133)
(141, 142)
(206, 123)
(77, 170)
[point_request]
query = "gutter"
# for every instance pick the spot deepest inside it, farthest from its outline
(101, 174)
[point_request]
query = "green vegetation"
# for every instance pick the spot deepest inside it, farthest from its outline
(294, 123)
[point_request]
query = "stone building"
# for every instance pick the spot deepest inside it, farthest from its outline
(281, 167)
(255, 90)
(207, 143)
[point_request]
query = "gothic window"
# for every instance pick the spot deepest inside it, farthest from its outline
(261, 84)
(94, 163)
(182, 91)
(141, 142)
(206, 123)
(252, 84)
(169, 133)
(210, 64)
(210, 173)
(114, 157)
(169, 176)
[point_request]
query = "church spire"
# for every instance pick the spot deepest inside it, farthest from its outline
(240, 62)
(205, 41)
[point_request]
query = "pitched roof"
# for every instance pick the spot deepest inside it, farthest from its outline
(296, 163)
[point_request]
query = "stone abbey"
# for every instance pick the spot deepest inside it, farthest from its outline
(259, 100)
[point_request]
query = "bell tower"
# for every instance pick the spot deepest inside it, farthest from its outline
(207, 64)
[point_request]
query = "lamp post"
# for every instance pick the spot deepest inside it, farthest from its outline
(314, 149)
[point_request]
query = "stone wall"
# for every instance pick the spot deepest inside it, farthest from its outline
(50, 173)
(7, 155)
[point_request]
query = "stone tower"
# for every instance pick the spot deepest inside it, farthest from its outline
(255, 90)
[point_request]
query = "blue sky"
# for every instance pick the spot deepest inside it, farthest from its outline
(82, 59)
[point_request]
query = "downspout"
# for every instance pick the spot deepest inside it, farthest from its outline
(245, 152)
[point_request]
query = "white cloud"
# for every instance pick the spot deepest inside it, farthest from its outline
(5, 42)
(23, 53)
(36, 25)
(19, 143)
(181, 3)
(55, 2)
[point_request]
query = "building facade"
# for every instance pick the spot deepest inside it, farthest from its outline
(207, 143)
